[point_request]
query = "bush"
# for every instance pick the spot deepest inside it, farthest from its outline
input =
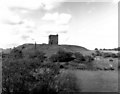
(118, 54)
(96, 49)
(88, 58)
(35, 54)
(114, 55)
(15, 73)
(23, 76)
(67, 83)
(111, 60)
(98, 53)
(62, 56)
(20, 76)
(16, 54)
(93, 55)
(79, 58)
(46, 80)
(106, 55)
(54, 58)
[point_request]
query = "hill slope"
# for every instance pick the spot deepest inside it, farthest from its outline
(52, 49)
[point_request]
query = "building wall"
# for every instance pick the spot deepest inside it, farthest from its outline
(53, 39)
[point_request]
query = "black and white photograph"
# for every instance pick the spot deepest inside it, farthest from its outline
(59, 46)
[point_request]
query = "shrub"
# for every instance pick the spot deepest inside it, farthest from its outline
(98, 53)
(118, 54)
(62, 56)
(15, 73)
(16, 53)
(46, 80)
(106, 55)
(111, 60)
(54, 58)
(89, 58)
(20, 76)
(35, 54)
(67, 83)
(114, 55)
(93, 55)
(79, 58)
(96, 49)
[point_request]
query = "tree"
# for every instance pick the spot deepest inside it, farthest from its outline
(96, 48)
(98, 53)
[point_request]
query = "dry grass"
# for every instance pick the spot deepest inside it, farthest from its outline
(67, 82)
(97, 81)
(105, 62)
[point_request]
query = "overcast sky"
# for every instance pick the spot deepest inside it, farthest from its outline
(91, 24)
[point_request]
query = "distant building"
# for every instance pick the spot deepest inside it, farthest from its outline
(53, 39)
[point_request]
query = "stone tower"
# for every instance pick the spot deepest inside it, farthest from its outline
(53, 39)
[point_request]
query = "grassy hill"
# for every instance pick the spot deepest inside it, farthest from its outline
(52, 49)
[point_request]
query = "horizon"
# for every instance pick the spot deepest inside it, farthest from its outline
(89, 24)
(58, 45)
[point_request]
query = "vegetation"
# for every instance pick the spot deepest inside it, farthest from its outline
(67, 83)
(36, 54)
(96, 49)
(114, 49)
(33, 74)
(62, 56)
(16, 54)
(105, 54)
(79, 58)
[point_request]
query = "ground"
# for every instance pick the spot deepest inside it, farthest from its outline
(98, 80)
(105, 62)
(88, 81)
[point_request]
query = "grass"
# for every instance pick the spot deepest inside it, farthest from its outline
(105, 62)
(97, 81)
(67, 82)
(85, 81)
(110, 51)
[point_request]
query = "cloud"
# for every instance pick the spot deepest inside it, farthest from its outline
(15, 25)
(25, 37)
(29, 4)
(58, 18)
(32, 4)
(58, 23)
(7, 15)
(53, 28)
(7, 8)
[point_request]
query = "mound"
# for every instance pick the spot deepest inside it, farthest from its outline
(52, 49)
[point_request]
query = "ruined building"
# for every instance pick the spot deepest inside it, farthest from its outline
(53, 39)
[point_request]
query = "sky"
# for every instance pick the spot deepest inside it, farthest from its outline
(88, 23)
